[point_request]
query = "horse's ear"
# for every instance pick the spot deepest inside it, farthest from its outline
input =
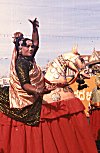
(75, 49)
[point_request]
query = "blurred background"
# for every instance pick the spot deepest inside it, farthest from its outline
(63, 24)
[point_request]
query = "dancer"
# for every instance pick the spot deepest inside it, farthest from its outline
(95, 111)
(62, 113)
(42, 115)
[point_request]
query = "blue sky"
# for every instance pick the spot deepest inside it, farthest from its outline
(63, 24)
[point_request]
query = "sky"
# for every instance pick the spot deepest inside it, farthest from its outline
(63, 24)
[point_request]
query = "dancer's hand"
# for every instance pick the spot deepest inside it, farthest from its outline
(35, 23)
(48, 89)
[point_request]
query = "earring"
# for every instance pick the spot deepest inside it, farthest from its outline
(20, 47)
(20, 50)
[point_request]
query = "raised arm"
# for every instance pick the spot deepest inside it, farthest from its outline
(35, 35)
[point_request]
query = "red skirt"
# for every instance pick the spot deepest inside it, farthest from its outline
(63, 129)
(95, 123)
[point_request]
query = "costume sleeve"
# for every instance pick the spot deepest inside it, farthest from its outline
(22, 70)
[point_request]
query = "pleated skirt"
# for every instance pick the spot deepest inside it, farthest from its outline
(95, 123)
(63, 128)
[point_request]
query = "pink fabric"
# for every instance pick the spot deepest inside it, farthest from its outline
(55, 133)
(18, 97)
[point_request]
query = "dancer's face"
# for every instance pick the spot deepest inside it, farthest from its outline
(28, 50)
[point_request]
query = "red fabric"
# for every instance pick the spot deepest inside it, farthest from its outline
(95, 124)
(64, 107)
(55, 134)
